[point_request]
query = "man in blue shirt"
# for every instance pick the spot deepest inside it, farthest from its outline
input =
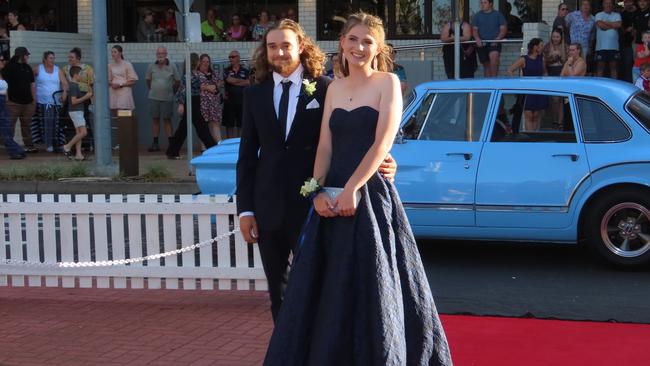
(237, 78)
(581, 27)
(489, 25)
(608, 23)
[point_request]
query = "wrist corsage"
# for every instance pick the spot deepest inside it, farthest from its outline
(310, 188)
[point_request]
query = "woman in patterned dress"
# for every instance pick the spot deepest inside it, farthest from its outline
(211, 99)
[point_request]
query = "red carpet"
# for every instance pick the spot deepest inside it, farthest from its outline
(69, 327)
(493, 341)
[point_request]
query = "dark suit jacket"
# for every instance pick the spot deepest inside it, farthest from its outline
(270, 170)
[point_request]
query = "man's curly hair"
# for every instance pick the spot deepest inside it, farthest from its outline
(312, 58)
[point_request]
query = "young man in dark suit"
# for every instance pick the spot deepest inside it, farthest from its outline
(280, 131)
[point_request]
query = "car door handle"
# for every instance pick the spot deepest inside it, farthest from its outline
(574, 157)
(466, 156)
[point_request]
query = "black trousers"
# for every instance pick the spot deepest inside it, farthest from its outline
(232, 114)
(275, 248)
(201, 127)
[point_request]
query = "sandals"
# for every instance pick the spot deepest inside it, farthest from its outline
(68, 153)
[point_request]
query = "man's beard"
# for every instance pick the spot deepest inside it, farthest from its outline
(283, 65)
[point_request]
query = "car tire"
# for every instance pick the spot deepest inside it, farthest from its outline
(617, 228)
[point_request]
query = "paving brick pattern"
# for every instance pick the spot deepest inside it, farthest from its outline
(55, 326)
(43, 326)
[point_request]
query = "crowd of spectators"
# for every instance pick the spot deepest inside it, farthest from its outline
(612, 42)
(215, 26)
(47, 100)
(42, 98)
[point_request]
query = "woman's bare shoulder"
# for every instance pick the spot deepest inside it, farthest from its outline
(386, 79)
(337, 82)
(336, 85)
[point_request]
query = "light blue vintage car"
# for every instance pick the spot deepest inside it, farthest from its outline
(522, 159)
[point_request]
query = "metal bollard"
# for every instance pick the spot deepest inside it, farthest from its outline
(128, 140)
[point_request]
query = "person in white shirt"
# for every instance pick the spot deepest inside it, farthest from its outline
(608, 23)
(643, 81)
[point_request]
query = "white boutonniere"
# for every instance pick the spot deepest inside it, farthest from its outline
(309, 87)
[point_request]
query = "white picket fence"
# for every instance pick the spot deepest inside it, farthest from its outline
(46, 229)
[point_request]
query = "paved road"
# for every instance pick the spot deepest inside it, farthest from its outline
(540, 280)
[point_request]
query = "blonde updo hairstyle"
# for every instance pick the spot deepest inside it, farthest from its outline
(382, 61)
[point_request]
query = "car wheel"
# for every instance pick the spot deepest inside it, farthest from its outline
(618, 228)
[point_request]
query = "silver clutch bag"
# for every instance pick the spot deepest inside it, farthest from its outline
(333, 192)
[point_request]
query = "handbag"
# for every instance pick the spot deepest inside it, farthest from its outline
(334, 192)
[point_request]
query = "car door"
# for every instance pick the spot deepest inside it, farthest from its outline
(528, 170)
(438, 157)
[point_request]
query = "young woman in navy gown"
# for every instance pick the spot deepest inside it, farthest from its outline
(357, 292)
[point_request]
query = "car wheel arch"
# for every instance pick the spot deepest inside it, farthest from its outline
(601, 192)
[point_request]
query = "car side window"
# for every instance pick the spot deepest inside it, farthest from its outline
(456, 117)
(412, 128)
(639, 107)
(599, 123)
(533, 118)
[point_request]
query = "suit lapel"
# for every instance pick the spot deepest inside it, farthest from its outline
(300, 108)
(270, 107)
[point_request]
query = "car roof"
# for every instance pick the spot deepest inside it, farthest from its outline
(602, 88)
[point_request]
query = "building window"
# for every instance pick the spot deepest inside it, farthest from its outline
(411, 18)
(331, 15)
(44, 15)
(234, 19)
(250, 13)
(414, 19)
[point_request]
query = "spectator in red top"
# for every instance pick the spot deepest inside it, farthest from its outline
(169, 25)
(642, 55)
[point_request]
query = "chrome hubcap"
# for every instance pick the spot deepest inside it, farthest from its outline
(625, 229)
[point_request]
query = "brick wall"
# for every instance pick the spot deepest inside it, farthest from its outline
(549, 10)
(59, 43)
(84, 16)
(535, 30)
(307, 14)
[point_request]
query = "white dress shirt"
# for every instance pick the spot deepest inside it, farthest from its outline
(294, 92)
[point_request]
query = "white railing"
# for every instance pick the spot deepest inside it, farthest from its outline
(39, 233)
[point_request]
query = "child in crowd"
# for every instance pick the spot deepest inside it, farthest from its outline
(76, 113)
(642, 55)
(643, 82)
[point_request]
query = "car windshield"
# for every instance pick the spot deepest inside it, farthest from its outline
(639, 107)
